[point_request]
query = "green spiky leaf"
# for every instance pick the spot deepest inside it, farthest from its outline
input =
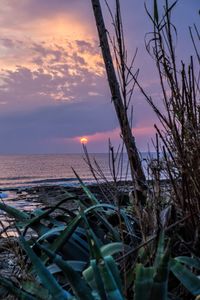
(186, 277)
(143, 282)
(45, 276)
(192, 262)
(78, 285)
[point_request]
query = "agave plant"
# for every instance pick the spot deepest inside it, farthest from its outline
(151, 282)
(72, 258)
(61, 248)
(100, 277)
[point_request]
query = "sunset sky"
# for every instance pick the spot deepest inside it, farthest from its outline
(53, 87)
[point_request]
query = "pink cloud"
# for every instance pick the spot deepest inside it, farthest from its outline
(142, 134)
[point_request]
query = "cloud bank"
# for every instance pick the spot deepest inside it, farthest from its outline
(53, 87)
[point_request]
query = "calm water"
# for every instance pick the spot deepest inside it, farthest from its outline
(30, 170)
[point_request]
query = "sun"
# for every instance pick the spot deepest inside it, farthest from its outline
(84, 140)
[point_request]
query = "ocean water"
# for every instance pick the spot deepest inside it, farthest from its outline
(31, 170)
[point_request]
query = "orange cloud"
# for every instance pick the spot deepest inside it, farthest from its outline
(62, 26)
(62, 29)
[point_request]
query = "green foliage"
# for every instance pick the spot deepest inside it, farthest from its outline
(143, 282)
(56, 291)
(151, 282)
(83, 258)
(13, 212)
(79, 286)
(10, 286)
(70, 248)
(186, 277)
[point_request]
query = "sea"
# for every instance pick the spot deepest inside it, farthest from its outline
(49, 169)
(19, 172)
(57, 169)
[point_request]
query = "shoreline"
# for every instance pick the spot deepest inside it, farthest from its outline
(31, 197)
(47, 194)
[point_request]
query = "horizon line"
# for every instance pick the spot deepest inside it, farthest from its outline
(65, 153)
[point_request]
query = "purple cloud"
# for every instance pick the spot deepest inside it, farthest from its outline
(53, 86)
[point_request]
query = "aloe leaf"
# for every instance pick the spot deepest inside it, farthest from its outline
(143, 282)
(34, 223)
(186, 277)
(73, 250)
(89, 275)
(39, 228)
(81, 231)
(3, 292)
(37, 212)
(77, 265)
(115, 271)
(189, 261)
(11, 288)
(36, 289)
(93, 242)
(70, 229)
(111, 288)
(92, 274)
(81, 290)
(76, 245)
(79, 240)
(45, 276)
(111, 249)
(65, 234)
(51, 232)
(160, 250)
(14, 212)
(102, 217)
(160, 281)
(128, 222)
(93, 277)
(109, 227)
(52, 220)
(86, 189)
(113, 291)
(45, 214)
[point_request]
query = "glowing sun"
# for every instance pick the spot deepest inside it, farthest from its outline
(83, 140)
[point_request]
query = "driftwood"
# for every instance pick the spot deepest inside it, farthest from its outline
(120, 108)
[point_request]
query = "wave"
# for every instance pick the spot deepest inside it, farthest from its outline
(71, 181)
(17, 178)
(51, 180)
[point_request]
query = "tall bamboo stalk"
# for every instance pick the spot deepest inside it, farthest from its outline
(128, 138)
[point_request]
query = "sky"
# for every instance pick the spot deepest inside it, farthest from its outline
(53, 86)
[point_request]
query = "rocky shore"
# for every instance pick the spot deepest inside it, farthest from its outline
(30, 198)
